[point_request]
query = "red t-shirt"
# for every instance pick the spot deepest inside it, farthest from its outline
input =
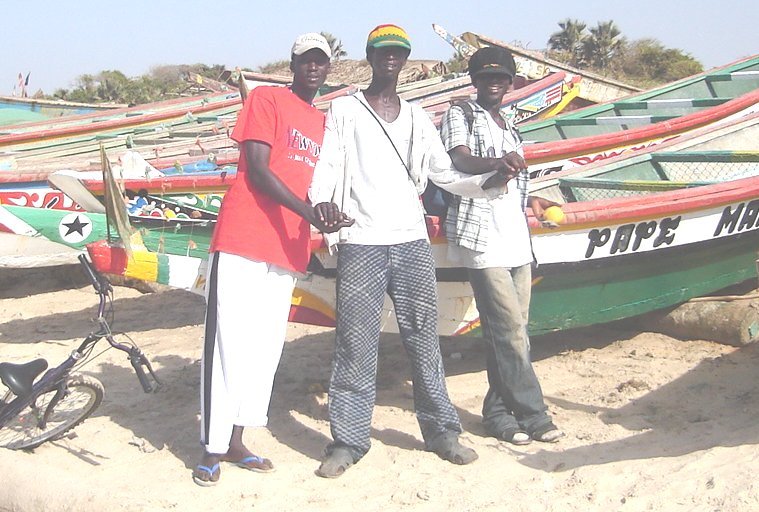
(250, 223)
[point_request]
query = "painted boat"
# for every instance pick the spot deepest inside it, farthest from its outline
(738, 137)
(16, 109)
(597, 135)
(675, 222)
(612, 259)
(634, 121)
(95, 121)
(692, 94)
(60, 189)
(726, 81)
(592, 88)
(205, 188)
(74, 230)
(640, 120)
(613, 137)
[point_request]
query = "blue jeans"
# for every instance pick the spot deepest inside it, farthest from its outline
(514, 399)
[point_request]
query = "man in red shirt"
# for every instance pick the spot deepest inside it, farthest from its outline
(260, 244)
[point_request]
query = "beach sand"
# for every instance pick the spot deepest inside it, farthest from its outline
(652, 423)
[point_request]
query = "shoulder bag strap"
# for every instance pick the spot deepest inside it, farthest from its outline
(371, 112)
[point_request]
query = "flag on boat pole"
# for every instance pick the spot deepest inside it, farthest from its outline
(115, 207)
(242, 85)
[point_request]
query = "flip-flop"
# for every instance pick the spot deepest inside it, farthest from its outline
(205, 476)
(515, 436)
(255, 463)
(547, 433)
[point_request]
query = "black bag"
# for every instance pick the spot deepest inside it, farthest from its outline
(435, 199)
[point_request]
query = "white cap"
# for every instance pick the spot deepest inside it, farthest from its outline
(309, 41)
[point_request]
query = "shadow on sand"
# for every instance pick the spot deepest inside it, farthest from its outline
(672, 420)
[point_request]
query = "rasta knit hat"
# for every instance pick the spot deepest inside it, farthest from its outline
(388, 35)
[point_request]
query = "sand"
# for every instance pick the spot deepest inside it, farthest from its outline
(653, 423)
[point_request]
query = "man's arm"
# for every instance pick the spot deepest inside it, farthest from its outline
(444, 174)
(509, 165)
(261, 176)
(325, 179)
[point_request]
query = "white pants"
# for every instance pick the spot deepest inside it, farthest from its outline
(248, 303)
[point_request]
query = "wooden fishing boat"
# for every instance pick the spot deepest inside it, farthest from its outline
(543, 158)
(160, 234)
(82, 123)
(614, 137)
(634, 121)
(592, 135)
(16, 109)
(204, 188)
(674, 222)
(591, 87)
(692, 94)
(639, 121)
(612, 259)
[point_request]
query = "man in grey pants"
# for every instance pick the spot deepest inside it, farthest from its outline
(378, 152)
(490, 237)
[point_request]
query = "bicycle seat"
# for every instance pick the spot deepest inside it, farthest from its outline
(20, 377)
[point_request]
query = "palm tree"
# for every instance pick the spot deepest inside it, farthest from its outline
(603, 43)
(336, 45)
(569, 41)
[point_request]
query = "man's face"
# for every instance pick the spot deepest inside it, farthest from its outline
(492, 87)
(387, 60)
(310, 69)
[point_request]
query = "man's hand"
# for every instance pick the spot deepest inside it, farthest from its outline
(539, 206)
(328, 218)
(497, 180)
(510, 164)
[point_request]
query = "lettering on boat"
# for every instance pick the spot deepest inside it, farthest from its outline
(744, 216)
(629, 237)
(604, 155)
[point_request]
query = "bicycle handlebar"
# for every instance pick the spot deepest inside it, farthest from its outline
(138, 361)
(136, 357)
(99, 282)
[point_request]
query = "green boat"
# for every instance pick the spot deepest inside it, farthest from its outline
(673, 226)
(76, 229)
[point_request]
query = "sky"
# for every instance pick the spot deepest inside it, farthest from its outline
(58, 41)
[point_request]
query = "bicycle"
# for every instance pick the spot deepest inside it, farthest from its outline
(34, 411)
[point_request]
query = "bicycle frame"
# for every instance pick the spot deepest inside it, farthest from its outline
(55, 378)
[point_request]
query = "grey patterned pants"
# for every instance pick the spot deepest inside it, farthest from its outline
(407, 273)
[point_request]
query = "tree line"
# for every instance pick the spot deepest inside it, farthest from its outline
(603, 48)
(162, 82)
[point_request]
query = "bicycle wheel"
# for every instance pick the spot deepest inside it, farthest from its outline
(84, 394)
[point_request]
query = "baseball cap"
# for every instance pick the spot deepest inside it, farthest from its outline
(492, 60)
(309, 41)
(388, 35)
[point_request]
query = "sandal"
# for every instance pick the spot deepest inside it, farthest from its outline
(255, 463)
(335, 463)
(547, 433)
(515, 436)
(205, 476)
